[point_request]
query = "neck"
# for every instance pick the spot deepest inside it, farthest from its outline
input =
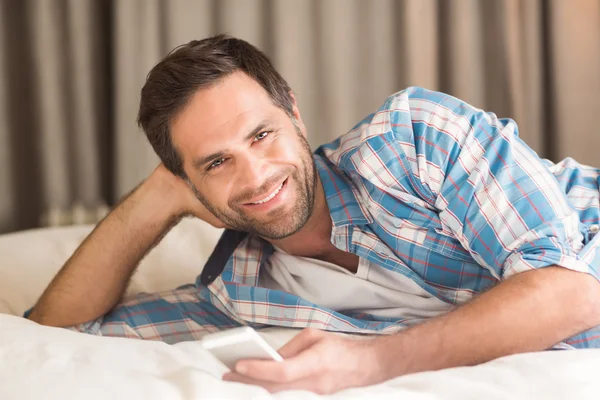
(315, 236)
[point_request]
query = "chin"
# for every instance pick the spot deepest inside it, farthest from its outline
(288, 228)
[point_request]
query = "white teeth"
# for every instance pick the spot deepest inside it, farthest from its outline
(269, 197)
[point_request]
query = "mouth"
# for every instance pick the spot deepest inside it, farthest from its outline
(271, 198)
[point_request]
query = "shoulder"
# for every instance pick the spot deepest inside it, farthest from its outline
(404, 117)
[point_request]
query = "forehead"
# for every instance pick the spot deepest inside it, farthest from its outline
(219, 113)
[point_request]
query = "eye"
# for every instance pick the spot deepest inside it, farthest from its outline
(261, 136)
(216, 163)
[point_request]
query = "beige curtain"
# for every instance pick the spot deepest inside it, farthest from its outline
(71, 72)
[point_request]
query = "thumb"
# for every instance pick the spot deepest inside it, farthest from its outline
(302, 341)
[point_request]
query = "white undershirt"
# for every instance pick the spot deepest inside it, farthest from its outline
(373, 289)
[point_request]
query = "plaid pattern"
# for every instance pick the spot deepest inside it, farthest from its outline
(428, 187)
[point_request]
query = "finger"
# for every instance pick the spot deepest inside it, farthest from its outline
(234, 377)
(306, 338)
(261, 368)
(306, 363)
(313, 384)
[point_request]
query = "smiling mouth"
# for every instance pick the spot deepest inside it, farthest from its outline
(270, 196)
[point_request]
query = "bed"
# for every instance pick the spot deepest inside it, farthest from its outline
(52, 363)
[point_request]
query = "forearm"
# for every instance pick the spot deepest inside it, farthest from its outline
(95, 277)
(529, 312)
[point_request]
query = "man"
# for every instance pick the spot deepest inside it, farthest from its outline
(430, 222)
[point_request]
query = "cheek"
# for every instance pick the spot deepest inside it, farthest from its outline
(215, 191)
(287, 150)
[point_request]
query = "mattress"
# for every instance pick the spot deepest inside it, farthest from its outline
(53, 363)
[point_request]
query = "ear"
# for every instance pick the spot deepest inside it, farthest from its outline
(296, 114)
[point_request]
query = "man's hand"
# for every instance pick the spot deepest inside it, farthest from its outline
(317, 361)
(188, 203)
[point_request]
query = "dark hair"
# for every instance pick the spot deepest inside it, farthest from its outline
(197, 65)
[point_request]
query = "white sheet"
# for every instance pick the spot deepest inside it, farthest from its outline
(50, 363)
(39, 362)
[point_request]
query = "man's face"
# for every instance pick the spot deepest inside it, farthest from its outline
(247, 160)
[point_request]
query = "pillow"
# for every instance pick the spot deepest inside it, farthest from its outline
(30, 259)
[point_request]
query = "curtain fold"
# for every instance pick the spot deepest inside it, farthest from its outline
(71, 72)
(574, 66)
(7, 200)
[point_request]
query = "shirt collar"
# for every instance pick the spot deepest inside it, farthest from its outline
(345, 209)
(341, 195)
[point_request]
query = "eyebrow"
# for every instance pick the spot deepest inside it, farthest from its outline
(199, 162)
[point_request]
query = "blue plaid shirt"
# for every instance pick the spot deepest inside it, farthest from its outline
(428, 187)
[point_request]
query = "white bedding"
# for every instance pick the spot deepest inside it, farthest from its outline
(39, 362)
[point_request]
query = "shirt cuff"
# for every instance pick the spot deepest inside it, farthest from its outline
(91, 327)
(520, 261)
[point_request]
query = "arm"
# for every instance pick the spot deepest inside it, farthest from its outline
(495, 324)
(95, 277)
(529, 312)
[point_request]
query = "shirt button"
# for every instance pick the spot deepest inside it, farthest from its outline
(594, 228)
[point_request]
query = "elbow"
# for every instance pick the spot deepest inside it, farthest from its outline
(575, 294)
(61, 320)
(587, 291)
(35, 316)
(42, 319)
(32, 315)
(595, 303)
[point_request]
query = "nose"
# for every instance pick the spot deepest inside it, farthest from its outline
(251, 172)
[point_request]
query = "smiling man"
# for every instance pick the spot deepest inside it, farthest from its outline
(430, 223)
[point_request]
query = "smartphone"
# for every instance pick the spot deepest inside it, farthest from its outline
(236, 344)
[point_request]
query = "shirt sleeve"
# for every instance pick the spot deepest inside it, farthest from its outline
(493, 193)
